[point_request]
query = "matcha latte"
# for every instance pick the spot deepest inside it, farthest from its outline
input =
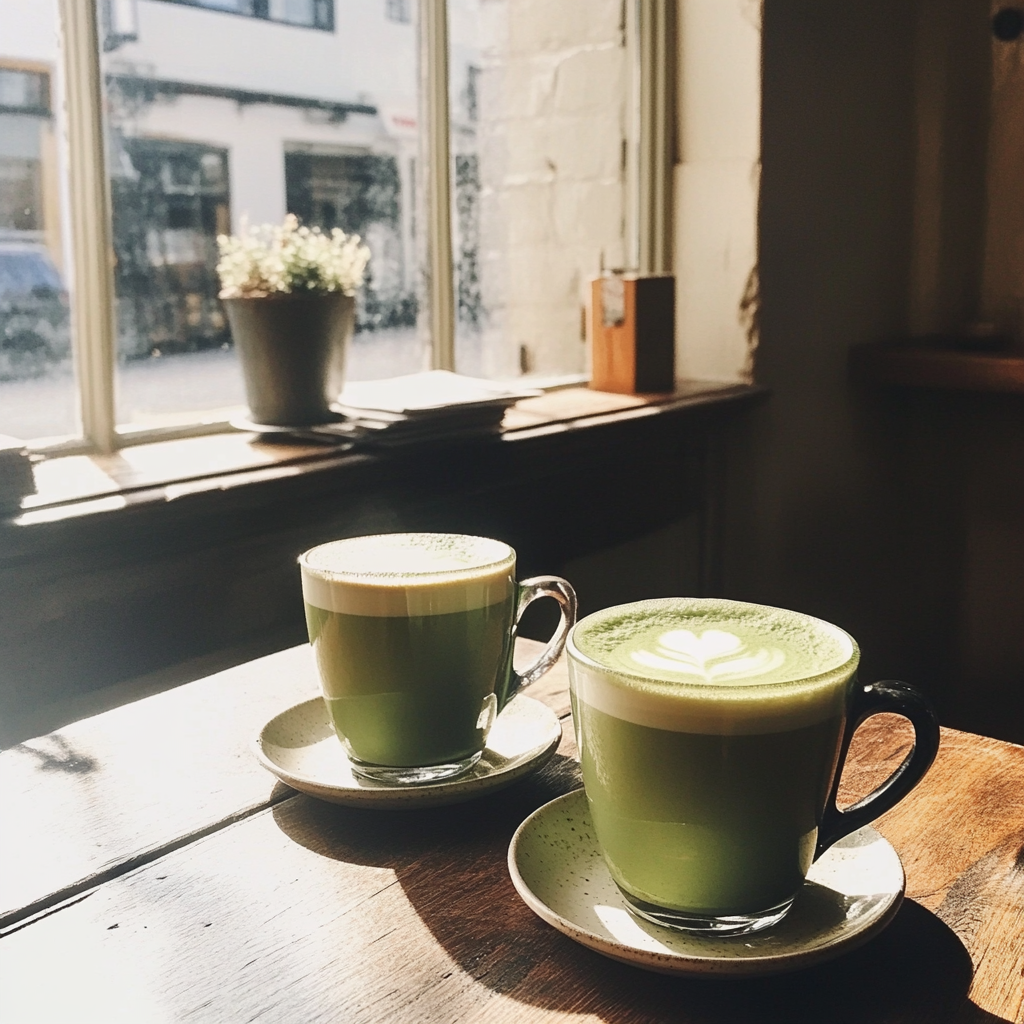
(412, 636)
(709, 734)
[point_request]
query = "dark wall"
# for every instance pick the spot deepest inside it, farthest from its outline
(898, 515)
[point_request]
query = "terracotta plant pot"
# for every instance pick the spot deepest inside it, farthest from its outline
(292, 349)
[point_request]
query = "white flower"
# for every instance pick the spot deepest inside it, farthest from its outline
(270, 259)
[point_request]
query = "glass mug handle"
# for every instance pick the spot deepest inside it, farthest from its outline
(529, 590)
(895, 698)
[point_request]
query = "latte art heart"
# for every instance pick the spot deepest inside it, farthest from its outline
(710, 642)
(715, 655)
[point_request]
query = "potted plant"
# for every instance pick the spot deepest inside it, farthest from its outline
(289, 294)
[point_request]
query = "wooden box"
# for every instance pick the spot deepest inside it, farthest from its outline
(632, 331)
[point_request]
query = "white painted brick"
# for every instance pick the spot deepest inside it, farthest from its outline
(539, 275)
(529, 143)
(526, 210)
(552, 110)
(538, 25)
(588, 212)
(591, 81)
(583, 148)
(527, 88)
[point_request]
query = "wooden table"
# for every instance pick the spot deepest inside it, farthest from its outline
(151, 871)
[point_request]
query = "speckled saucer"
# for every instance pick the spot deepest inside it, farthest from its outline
(299, 746)
(852, 892)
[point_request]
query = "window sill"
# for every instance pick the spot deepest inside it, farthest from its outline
(71, 486)
(918, 366)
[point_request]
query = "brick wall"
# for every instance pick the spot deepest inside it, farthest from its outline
(551, 106)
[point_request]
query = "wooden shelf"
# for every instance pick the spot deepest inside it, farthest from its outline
(75, 485)
(904, 365)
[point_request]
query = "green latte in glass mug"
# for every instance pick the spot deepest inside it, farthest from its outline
(711, 735)
(413, 635)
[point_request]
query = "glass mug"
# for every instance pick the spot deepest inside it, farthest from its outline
(712, 736)
(413, 635)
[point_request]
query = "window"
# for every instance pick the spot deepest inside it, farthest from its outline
(37, 385)
(538, 121)
(307, 13)
(484, 149)
(204, 133)
(24, 92)
(24, 108)
(398, 10)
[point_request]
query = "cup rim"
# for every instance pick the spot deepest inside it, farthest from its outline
(406, 577)
(848, 667)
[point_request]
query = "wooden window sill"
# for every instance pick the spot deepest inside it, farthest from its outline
(78, 485)
(919, 366)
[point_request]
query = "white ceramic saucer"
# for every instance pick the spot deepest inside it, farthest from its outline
(299, 746)
(850, 895)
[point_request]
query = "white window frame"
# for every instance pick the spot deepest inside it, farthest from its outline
(649, 32)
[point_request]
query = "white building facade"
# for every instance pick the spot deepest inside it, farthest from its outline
(224, 110)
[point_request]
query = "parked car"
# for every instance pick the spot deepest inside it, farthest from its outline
(35, 331)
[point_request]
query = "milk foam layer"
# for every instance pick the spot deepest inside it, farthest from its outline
(408, 574)
(706, 665)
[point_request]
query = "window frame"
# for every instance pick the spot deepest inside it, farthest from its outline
(649, 37)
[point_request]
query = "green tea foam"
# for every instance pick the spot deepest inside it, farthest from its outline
(712, 666)
(408, 574)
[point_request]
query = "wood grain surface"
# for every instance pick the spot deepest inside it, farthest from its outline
(302, 911)
(923, 367)
(960, 835)
(121, 788)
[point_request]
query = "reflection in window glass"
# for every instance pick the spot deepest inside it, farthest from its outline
(37, 385)
(308, 13)
(398, 10)
(24, 91)
(203, 132)
(361, 193)
(312, 13)
(537, 100)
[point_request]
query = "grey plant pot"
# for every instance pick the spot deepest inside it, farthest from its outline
(292, 349)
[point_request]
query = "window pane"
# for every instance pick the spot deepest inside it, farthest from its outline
(538, 103)
(212, 120)
(37, 386)
(234, 6)
(311, 13)
(308, 13)
(398, 10)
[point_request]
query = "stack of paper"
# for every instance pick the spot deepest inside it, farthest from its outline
(422, 406)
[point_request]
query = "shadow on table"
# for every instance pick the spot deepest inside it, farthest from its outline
(451, 865)
(55, 754)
